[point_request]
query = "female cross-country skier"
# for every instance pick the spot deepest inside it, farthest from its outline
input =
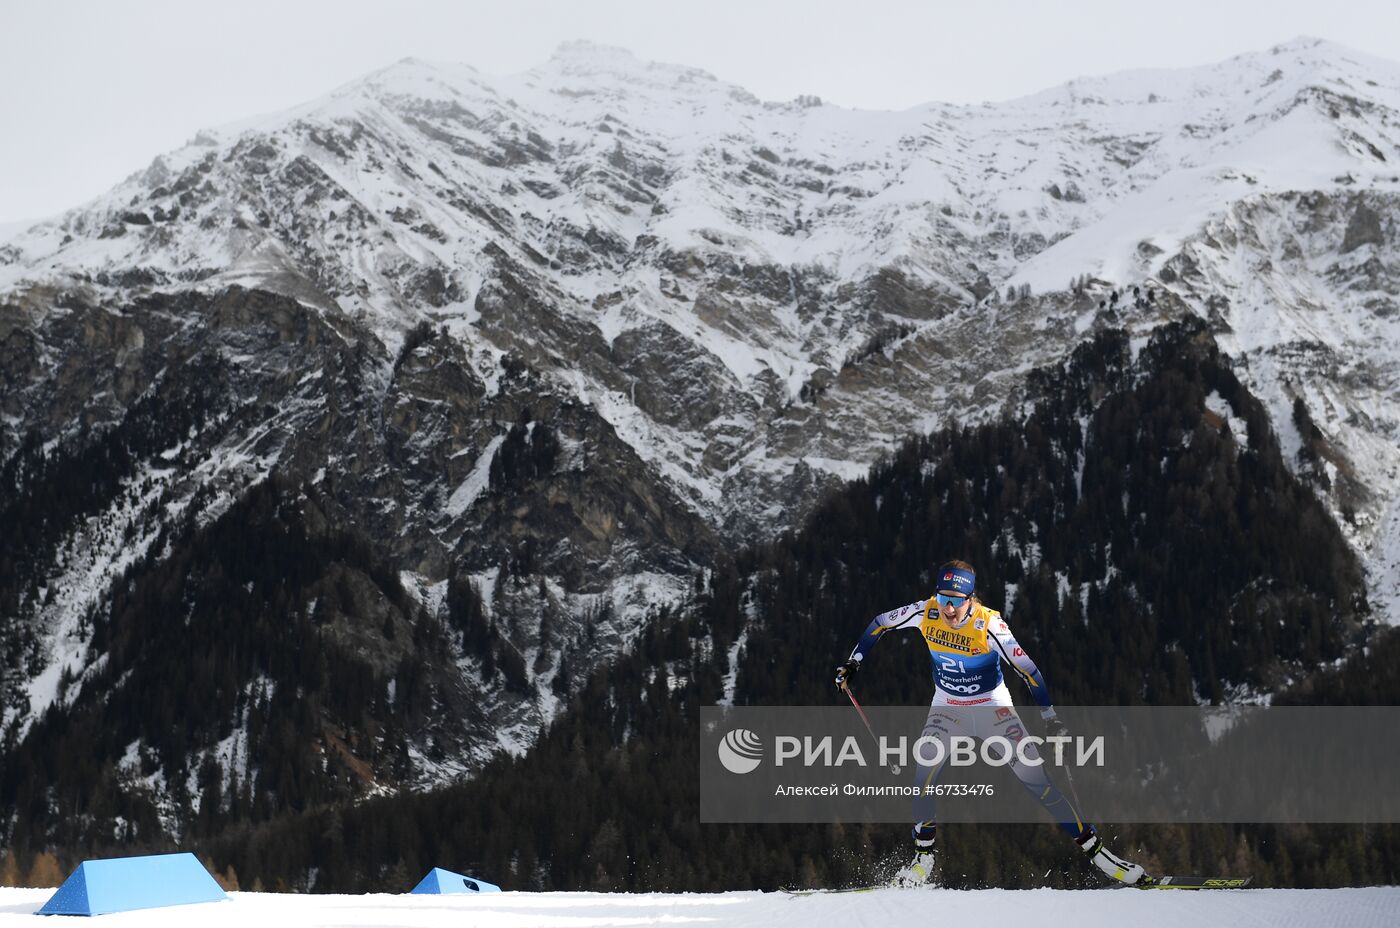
(967, 643)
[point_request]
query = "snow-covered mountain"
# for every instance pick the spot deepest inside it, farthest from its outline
(575, 333)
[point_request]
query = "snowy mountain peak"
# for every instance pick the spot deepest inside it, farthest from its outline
(1319, 50)
(747, 291)
(1246, 83)
(585, 53)
(581, 69)
(581, 58)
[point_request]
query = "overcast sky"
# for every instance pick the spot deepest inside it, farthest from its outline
(91, 91)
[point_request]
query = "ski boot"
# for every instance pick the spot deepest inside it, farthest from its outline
(1113, 866)
(920, 870)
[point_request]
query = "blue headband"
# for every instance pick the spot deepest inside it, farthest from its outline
(956, 580)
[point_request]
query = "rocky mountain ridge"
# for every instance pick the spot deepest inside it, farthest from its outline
(568, 336)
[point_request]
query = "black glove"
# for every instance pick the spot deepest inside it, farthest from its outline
(844, 672)
(1054, 727)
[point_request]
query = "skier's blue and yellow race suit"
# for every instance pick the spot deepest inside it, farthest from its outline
(970, 697)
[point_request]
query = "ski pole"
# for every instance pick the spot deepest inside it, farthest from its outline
(1079, 806)
(1074, 793)
(894, 768)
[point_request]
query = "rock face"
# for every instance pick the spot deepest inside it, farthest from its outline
(570, 337)
(1364, 228)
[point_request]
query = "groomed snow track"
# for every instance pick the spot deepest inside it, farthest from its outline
(1275, 908)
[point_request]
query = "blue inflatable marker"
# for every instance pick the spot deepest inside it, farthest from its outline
(439, 881)
(99, 887)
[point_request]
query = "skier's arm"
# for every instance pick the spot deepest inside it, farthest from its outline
(1016, 656)
(904, 617)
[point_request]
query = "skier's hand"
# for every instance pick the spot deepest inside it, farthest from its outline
(843, 673)
(1054, 727)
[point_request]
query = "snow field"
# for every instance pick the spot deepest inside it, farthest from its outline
(1276, 908)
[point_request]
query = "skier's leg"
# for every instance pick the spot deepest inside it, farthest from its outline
(1036, 780)
(933, 745)
(934, 741)
(1032, 774)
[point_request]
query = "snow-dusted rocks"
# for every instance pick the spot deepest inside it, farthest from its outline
(697, 309)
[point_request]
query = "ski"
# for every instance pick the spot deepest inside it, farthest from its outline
(894, 884)
(1192, 882)
(1161, 882)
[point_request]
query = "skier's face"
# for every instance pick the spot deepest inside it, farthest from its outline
(953, 608)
